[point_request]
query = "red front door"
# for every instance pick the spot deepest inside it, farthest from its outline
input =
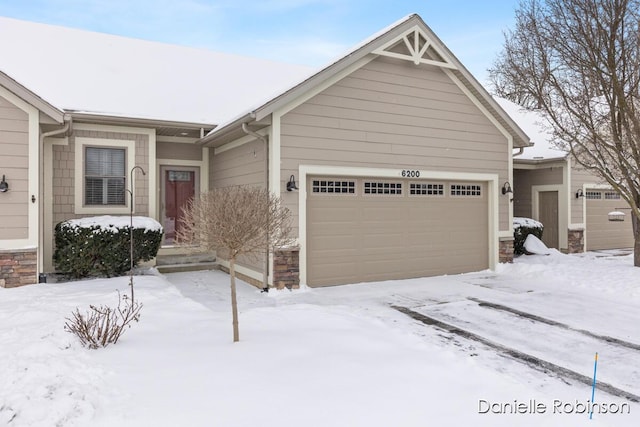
(179, 189)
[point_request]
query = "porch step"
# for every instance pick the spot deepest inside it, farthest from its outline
(177, 259)
(192, 266)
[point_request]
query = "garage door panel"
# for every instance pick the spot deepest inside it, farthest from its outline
(600, 232)
(355, 238)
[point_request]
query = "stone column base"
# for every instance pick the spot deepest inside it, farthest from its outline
(575, 241)
(286, 268)
(506, 250)
(18, 267)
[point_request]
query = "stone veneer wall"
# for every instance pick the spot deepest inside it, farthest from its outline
(506, 250)
(575, 241)
(18, 267)
(286, 268)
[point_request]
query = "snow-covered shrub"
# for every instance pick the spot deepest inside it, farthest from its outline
(100, 246)
(522, 227)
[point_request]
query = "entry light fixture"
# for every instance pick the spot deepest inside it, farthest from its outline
(579, 193)
(291, 185)
(4, 185)
(506, 188)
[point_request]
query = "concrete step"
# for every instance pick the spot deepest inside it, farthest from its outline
(192, 266)
(194, 258)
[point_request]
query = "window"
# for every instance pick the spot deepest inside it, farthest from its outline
(611, 195)
(593, 195)
(104, 176)
(383, 188)
(426, 189)
(466, 190)
(333, 186)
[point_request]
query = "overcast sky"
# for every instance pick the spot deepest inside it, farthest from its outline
(309, 32)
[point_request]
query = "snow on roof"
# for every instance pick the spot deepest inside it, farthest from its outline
(78, 70)
(532, 124)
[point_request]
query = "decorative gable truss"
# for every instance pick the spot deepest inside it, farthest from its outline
(414, 45)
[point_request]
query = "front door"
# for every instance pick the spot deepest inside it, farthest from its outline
(548, 211)
(179, 187)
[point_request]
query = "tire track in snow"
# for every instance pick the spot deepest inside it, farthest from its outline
(528, 359)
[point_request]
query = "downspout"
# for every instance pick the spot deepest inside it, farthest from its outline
(263, 138)
(520, 151)
(68, 123)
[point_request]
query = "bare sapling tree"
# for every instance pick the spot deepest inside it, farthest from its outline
(578, 63)
(242, 220)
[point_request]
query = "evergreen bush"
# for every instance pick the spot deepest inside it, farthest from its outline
(522, 227)
(100, 246)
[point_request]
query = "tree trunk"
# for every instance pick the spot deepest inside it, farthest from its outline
(234, 300)
(636, 240)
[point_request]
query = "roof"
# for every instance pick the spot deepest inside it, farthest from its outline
(94, 73)
(252, 112)
(533, 124)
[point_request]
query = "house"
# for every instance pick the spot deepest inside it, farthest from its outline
(393, 159)
(579, 212)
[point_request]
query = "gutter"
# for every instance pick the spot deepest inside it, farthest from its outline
(265, 140)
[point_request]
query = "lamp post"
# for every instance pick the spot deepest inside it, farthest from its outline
(131, 228)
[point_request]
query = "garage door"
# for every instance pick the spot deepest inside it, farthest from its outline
(368, 229)
(601, 233)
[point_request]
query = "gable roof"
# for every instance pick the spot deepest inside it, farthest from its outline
(543, 148)
(32, 98)
(100, 74)
(409, 38)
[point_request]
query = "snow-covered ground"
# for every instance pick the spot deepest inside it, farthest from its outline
(337, 356)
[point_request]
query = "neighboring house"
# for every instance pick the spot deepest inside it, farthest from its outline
(579, 212)
(398, 154)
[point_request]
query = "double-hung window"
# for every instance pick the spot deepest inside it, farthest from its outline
(104, 176)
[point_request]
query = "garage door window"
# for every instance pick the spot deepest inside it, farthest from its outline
(333, 186)
(466, 190)
(611, 195)
(426, 189)
(594, 195)
(387, 188)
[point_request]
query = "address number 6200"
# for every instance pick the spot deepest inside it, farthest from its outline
(406, 173)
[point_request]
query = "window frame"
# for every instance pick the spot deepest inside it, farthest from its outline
(81, 144)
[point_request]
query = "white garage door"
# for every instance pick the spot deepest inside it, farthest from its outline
(601, 233)
(369, 229)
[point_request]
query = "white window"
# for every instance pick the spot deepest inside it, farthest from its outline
(611, 195)
(330, 186)
(466, 190)
(394, 188)
(426, 189)
(104, 176)
(593, 195)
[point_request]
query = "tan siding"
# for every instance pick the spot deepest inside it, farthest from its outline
(579, 177)
(178, 151)
(393, 114)
(14, 165)
(602, 233)
(243, 165)
(64, 179)
(524, 179)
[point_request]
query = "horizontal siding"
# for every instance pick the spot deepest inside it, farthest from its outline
(393, 114)
(579, 177)
(14, 165)
(524, 179)
(243, 165)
